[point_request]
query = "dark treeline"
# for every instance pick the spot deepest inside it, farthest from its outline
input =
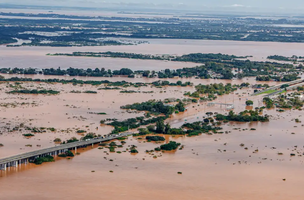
(156, 107)
(223, 69)
(284, 78)
(221, 64)
(245, 116)
(281, 58)
(152, 106)
(194, 57)
(40, 160)
(70, 71)
(122, 126)
(34, 92)
(212, 90)
(293, 58)
(155, 138)
(172, 145)
(115, 85)
(196, 128)
(74, 81)
(190, 129)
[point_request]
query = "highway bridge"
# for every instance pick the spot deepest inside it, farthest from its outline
(279, 86)
(278, 92)
(274, 93)
(24, 158)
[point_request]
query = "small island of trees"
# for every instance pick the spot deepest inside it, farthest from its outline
(245, 116)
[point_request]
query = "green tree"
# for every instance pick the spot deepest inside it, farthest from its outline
(167, 128)
(249, 103)
(143, 131)
(160, 126)
(180, 106)
(231, 113)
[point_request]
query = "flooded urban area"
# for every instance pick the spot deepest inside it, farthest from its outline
(161, 119)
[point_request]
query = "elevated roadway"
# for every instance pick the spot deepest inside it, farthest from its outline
(14, 161)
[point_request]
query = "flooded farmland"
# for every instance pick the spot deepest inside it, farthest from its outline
(243, 161)
(213, 166)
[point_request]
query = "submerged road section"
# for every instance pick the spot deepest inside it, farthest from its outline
(295, 83)
(14, 161)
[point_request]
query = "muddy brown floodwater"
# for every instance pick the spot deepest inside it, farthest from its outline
(35, 57)
(213, 166)
(67, 112)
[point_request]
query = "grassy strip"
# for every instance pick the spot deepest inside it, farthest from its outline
(267, 92)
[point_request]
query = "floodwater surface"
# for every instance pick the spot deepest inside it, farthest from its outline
(36, 57)
(213, 167)
(238, 164)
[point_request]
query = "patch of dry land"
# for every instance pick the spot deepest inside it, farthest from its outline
(240, 161)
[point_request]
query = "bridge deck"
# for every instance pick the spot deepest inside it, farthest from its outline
(279, 85)
(225, 104)
(58, 148)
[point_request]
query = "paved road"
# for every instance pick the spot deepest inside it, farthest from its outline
(58, 148)
(279, 86)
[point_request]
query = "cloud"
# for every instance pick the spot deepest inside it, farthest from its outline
(237, 5)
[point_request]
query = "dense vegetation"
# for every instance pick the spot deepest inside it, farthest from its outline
(199, 127)
(109, 85)
(153, 106)
(66, 154)
(71, 140)
(172, 145)
(34, 92)
(121, 126)
(155, 138)
(284, 78)
(28, 135)
(269, 102)
(133, 151)
(210, 68)
(189, 129)
(284, 58)
(40, 160)
(215, 65)
(194, 57)
(212, 90)
(291, 101)
(156, 107)
(249, 103)
(245, 116)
